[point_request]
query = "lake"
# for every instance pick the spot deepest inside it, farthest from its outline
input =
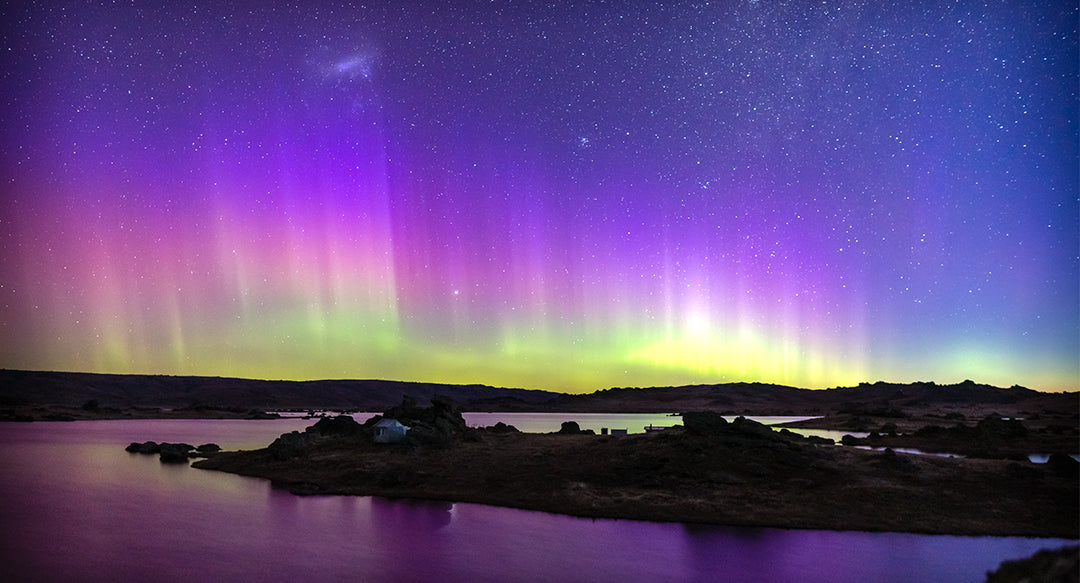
(631, 422)
(75, 506)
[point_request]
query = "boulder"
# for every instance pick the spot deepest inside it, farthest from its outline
(437, 425)
(173, 453)
(147, 447)
(704, 422)
(421, 433)
(1045, 565)
(570, 428)
(751, 427)
(289, 445)
(341, 425)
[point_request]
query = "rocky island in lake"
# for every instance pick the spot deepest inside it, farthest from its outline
(707, 470)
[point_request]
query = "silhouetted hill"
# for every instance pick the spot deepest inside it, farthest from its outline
(109, 393)
(66, 389)
(764, 399)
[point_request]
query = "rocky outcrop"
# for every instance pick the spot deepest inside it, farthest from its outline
(295, 444)
(169, 453)
(172, 453)
(572, 428)
(341, 425)
(175, 453)
(992, 437)
(290, 445)
(709, 423)
(704, 423)
(439, 425)
(147, 447)
(1050, 566)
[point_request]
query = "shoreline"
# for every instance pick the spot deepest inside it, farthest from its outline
(741, 474)
(927, 431)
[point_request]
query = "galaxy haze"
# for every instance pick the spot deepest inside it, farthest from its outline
(565, 197)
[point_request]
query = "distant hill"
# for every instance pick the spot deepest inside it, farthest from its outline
(20, 389)
(67, 389)
(762, 399)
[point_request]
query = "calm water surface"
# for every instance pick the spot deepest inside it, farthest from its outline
(74, 506)
(631, 422)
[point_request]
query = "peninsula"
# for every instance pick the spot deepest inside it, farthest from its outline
(707, 470)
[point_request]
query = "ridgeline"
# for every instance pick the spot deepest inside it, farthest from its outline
(36, 395)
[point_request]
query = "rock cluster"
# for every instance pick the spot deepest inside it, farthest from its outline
(572, 428)
(991, 437)
(172, 453)
(708, 423)
(295, 443)
(438, 424)
(1046, 565)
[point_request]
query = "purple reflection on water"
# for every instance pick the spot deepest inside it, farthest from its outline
(75, 506)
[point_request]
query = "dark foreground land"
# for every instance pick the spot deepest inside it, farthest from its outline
(706, 471)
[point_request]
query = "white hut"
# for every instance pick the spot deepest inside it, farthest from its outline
(390, 431)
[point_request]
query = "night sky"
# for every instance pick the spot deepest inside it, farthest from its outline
(574, 197)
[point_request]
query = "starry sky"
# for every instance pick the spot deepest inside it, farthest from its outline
(567, 197)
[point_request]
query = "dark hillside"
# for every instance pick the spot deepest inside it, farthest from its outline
(28, 395)
(22, 389)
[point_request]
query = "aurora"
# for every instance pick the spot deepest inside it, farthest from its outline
(567, 198)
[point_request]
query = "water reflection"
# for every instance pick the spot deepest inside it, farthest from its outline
(84, 509)
(411, 517)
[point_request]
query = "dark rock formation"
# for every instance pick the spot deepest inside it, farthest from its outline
(290, 445)
(294, 444)
(572, 428)
(175, 453)
(992, 437)
(704, 422)
(172, 452)
(751, 427)
(342, 425)
(1048, 566)
(147, 447)
(168, 452)
(814, 439)
(438, 425)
